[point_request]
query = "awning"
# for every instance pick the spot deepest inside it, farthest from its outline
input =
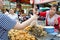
(33, 1)
(12, 0)
(21, 1)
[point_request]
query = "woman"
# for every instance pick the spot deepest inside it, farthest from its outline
(51, 17)
(12, 15)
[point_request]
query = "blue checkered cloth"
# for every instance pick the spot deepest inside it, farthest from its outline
(5, 25)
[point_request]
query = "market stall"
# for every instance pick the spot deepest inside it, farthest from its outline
(37, 32)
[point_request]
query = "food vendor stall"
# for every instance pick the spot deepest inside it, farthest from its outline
(39, 32)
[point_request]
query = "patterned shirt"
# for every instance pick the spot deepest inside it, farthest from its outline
(5, 25)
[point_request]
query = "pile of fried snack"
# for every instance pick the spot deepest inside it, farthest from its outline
(20, 35)
(29, 33)
(36, 31)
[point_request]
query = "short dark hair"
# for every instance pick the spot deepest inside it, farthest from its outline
(56, 6)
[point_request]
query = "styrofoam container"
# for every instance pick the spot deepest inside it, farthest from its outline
(49, 29)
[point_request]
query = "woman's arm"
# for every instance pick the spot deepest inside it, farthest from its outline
(42, 14)
(26, 23)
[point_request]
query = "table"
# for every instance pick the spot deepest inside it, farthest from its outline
(49, 37)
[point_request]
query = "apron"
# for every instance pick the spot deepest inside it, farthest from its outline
(51, 20)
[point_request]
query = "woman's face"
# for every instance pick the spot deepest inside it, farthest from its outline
(11, 11)
(52, 10)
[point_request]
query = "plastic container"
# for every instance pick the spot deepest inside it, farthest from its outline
(49, 29)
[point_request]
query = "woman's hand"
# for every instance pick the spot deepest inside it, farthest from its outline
(55, 21)
(35, 12)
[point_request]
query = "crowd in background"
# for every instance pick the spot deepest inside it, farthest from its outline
(52, 18)
(17, 14)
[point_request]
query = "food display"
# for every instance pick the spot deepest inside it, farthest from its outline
(20, 35)
(37, 31)
(29, 33)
